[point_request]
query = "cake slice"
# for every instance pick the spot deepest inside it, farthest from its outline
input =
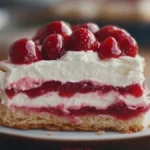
(74, 78)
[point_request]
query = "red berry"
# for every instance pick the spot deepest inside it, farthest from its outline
(128, 46)
(105, 32)
(53, 47)
(67, 41)
(83, 39)
(135, 90)
(96, 46)
(110, 31)
(109, 49)
(119, 34)
(58, 27)
(37, 36)
(24, 51)
(90, 26)
(75, 27)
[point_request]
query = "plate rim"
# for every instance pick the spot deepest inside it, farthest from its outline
(48, 139)
(72, 140)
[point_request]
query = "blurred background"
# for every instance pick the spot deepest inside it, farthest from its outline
(21, 18)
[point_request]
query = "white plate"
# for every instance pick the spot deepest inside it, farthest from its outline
(76, 135)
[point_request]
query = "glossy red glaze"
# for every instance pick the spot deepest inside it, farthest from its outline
(83, 39)
(90, 26)
(128, 46)
(53, 47)
(109, 49)
(57, 27)
(24, 51)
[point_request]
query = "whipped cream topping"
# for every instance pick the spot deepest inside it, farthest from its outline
(77, 66)
(77, 101)
(74, 67)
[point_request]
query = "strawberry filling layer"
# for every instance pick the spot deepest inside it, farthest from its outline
(118, 110)
(68, 89)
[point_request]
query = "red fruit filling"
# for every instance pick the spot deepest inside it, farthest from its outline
(24, 51)
(53, 47)
(118, 110)
(68, 89)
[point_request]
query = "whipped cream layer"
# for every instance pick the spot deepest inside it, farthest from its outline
(77, 101)
(74, 67)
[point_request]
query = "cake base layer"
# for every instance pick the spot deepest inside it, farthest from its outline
(31, 120)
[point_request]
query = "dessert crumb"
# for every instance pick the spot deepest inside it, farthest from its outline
(48, 133)
(100, 132)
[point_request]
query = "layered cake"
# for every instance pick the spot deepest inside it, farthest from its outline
(74, 78)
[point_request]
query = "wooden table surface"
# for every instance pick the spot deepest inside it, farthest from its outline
(146, 55)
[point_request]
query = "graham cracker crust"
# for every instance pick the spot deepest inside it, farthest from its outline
(31, 120)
